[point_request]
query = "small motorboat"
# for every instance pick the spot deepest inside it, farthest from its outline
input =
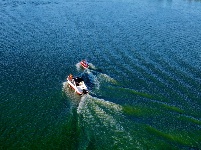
(77, 83)
(84, 64)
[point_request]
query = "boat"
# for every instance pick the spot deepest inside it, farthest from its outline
(77, 83)
(84, 64)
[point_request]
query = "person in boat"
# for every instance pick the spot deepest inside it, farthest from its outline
(84, 64)
(70, 77)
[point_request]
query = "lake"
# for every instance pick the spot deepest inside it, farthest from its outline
(144, 77)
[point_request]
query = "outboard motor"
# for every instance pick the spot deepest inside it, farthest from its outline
(85, 91)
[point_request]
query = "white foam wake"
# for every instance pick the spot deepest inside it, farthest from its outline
(103, 118)
(78, 66)
(92, 66)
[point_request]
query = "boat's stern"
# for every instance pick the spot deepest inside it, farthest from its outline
(85, 91)
(84, 64)
(82, 89)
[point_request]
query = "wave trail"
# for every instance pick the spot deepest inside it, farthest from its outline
(94, 79)
(103, 121)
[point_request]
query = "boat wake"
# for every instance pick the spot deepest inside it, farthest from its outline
(91, 67)
(101, 123)
(105, 121)
(78, 66)
(95, 79)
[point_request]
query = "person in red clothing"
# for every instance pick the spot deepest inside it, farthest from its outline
(70, 77)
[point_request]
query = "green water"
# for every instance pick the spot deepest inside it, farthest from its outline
(144, 77)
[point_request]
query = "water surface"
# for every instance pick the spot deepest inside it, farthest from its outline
(144, 76)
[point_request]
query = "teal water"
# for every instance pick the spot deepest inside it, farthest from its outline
(144, 76)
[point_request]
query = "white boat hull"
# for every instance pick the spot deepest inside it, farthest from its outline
(78, 89)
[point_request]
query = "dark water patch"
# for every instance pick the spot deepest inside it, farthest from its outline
(69, 135)
(141, 94)
(34, 119)
(145, 110)
(158, 113)
(12, 3)
(90, 79)
(181, 139)
(173, 108)
(131, 110)
(18, 3)
(64, 135)
(190, 119)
